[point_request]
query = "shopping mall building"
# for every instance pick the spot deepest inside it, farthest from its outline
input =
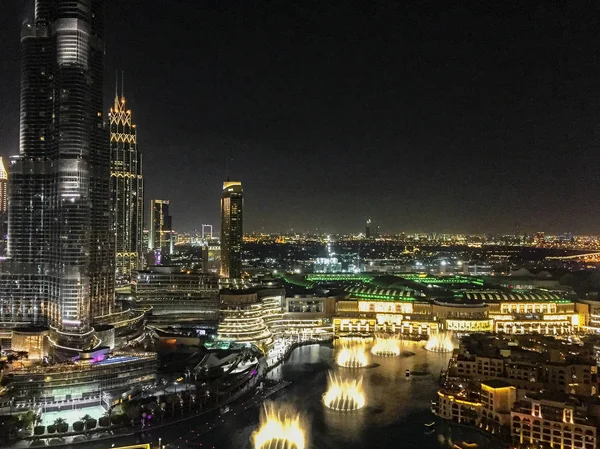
(416, 305)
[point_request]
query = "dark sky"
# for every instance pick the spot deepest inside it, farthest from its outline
(430, 116)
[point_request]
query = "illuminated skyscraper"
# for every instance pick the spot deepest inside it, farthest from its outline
(127, 190)
(60, 241)
(3, 207)
(161, 237)
(3, 188)
(368, 228)
(232, 229)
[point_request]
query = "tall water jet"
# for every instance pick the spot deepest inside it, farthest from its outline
(280, 428)
(386, 346)
(352, 357)
(344, 395)
(440, 342)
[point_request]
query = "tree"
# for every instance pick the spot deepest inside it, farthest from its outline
(9, 426)
(173, 399)
(85, 418)
(78, 426)
(61, 425)
(104, 421)
(27, 419)
(132, 410)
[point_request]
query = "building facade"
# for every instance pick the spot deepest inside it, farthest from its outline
(127, 191)
(83, 382)
(61, 269)
(558, 421)
(3, 207)
(161, 237)
(232, 229)
(175, 296)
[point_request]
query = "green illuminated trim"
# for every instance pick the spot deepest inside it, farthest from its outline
(299, 282)
(339, 277)
(441, 280)
(382, 297)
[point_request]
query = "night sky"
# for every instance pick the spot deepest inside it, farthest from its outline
(425, 116)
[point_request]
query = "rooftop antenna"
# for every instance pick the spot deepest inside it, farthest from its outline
(116, 83)
(122, 84)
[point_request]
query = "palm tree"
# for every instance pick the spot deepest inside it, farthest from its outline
(86, 418)
(60, 424)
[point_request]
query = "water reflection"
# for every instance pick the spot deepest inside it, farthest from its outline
(395, 415)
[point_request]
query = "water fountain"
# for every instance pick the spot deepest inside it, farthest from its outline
(344, 395)
(280, 428)
(386, 346)
(352, 357)
(440, 342)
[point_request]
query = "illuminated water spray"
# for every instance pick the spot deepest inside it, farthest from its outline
(344, 395)
(352, 357)
(280, 428)
(386, 345)
(440, 342)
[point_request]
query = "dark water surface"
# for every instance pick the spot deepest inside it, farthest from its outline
(395, 416)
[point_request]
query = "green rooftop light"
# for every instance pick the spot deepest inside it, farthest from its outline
(382, 297)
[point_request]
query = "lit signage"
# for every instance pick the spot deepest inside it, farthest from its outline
(384, 307)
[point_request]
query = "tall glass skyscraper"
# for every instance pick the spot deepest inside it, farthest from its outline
(232, 229)
(61, 241)
(127, 191)
(161, 237)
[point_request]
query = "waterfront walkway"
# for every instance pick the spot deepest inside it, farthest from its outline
(99, 435)
(194, 437)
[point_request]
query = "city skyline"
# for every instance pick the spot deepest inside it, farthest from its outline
(458, 128)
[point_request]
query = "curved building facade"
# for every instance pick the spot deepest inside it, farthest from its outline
(248, 318)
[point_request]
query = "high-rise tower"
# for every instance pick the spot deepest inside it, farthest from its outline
(127, 190)
(3, 207)
(3, 188)
(232, 229)
(160, 238)
(60, 240)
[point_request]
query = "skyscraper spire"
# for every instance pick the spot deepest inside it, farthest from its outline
(116, 104)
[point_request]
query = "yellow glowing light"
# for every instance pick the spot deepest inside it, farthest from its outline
(440, 342)
(386, 346)
(344, 395)
(352, 357)
(279, 429)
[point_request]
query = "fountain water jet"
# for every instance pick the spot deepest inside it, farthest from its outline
(280, 428)
(440, 342)
(386, 346)
(352, 357)
(344, 395)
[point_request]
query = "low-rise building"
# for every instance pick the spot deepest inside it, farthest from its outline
(557, 420)
(80, 383)
(169, 294)
(497, 399)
